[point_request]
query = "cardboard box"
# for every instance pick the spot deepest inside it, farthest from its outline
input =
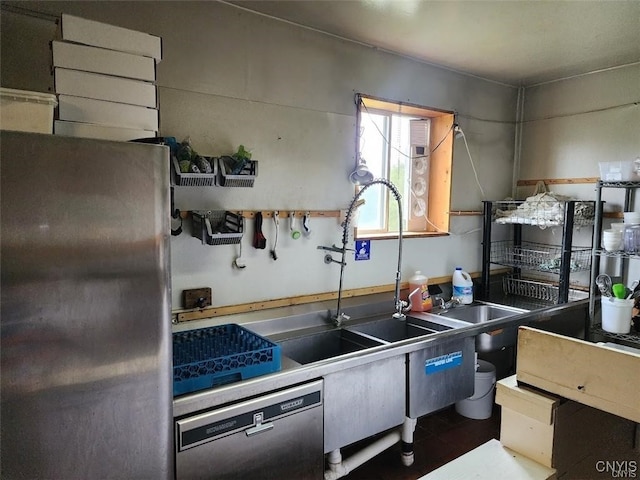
(88, 130)
(100, 60)
(97, 34)
(25, 111)
(104, 87)
(100, 112)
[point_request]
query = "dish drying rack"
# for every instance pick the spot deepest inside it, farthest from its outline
(557, 262)
(538, 289)
(213, 356)
(217, 227)
(538, 256)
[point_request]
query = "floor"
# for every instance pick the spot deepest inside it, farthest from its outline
(438, 439)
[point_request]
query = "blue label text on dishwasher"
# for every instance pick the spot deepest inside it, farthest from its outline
(443, 362)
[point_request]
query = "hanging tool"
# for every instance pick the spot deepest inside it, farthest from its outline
(305, 224)
(295, 233)
(259, 240)
(276, 222)
(175, 214)
(603, 281)
(238, 262)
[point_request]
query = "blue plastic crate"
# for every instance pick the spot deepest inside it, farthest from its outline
(213, 356)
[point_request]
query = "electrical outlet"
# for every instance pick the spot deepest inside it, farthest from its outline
(196, 298)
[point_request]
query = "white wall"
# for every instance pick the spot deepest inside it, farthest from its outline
(572, 125)
(229, 77)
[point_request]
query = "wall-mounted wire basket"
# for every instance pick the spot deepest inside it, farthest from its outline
(538, 256)
(213, 356)
(244, 178)
(217, 227)
(195, 179)
(538, 290)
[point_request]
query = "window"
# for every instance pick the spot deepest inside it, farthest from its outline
(412, 147)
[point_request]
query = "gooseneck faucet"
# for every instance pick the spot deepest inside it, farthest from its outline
(399, 304)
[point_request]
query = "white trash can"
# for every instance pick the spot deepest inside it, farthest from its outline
(480, 405)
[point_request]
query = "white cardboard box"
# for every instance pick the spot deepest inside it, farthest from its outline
(25, 111)
(88, 130)
(89, 32)
(100, 112)
(100, 60)
(104, 87)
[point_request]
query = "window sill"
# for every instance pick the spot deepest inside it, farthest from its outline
(391, 236)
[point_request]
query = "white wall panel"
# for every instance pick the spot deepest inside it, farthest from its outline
(229, 77)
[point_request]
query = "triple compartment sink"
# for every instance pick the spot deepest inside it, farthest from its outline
(311, 347)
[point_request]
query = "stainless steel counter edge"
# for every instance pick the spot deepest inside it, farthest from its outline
(206, 399)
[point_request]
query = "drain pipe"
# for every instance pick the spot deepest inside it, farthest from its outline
(408, 427)
(338, 467)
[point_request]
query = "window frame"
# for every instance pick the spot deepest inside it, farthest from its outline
(438, 176)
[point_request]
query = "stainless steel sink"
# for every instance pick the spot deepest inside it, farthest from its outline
(394, 330)
(482, 313)
(326, 344)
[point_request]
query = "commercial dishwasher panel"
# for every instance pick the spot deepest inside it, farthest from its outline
(275, 436)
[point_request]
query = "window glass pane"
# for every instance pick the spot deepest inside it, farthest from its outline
(373, 150)
(400, 166)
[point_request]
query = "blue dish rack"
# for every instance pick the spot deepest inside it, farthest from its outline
(213, 356)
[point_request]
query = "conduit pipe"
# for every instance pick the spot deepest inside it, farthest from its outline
(338, 468)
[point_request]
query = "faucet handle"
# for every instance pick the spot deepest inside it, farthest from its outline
(338, 319)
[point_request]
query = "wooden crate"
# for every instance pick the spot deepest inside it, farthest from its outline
(595, 375)
(562, 434)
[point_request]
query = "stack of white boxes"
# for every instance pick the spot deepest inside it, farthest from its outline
(105, 81)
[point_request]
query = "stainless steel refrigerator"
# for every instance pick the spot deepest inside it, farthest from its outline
(85, 314)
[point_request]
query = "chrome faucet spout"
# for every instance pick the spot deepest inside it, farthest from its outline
(399, 304)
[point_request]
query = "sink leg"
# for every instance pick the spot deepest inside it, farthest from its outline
(408, 427)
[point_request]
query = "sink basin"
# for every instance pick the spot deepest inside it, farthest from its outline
(491, 341)
(327, 344)
(480, 313)
(394, 330)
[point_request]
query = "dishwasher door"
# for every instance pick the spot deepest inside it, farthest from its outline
(275, 436)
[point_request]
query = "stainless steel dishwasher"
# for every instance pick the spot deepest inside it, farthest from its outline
(275, 436)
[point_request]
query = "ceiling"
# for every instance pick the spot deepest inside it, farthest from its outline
(517, 42)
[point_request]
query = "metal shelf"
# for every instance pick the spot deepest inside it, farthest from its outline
(617, 254)
(628, 184)
(633, 338)
(538, 257)
(568, 215)
(598, 252)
